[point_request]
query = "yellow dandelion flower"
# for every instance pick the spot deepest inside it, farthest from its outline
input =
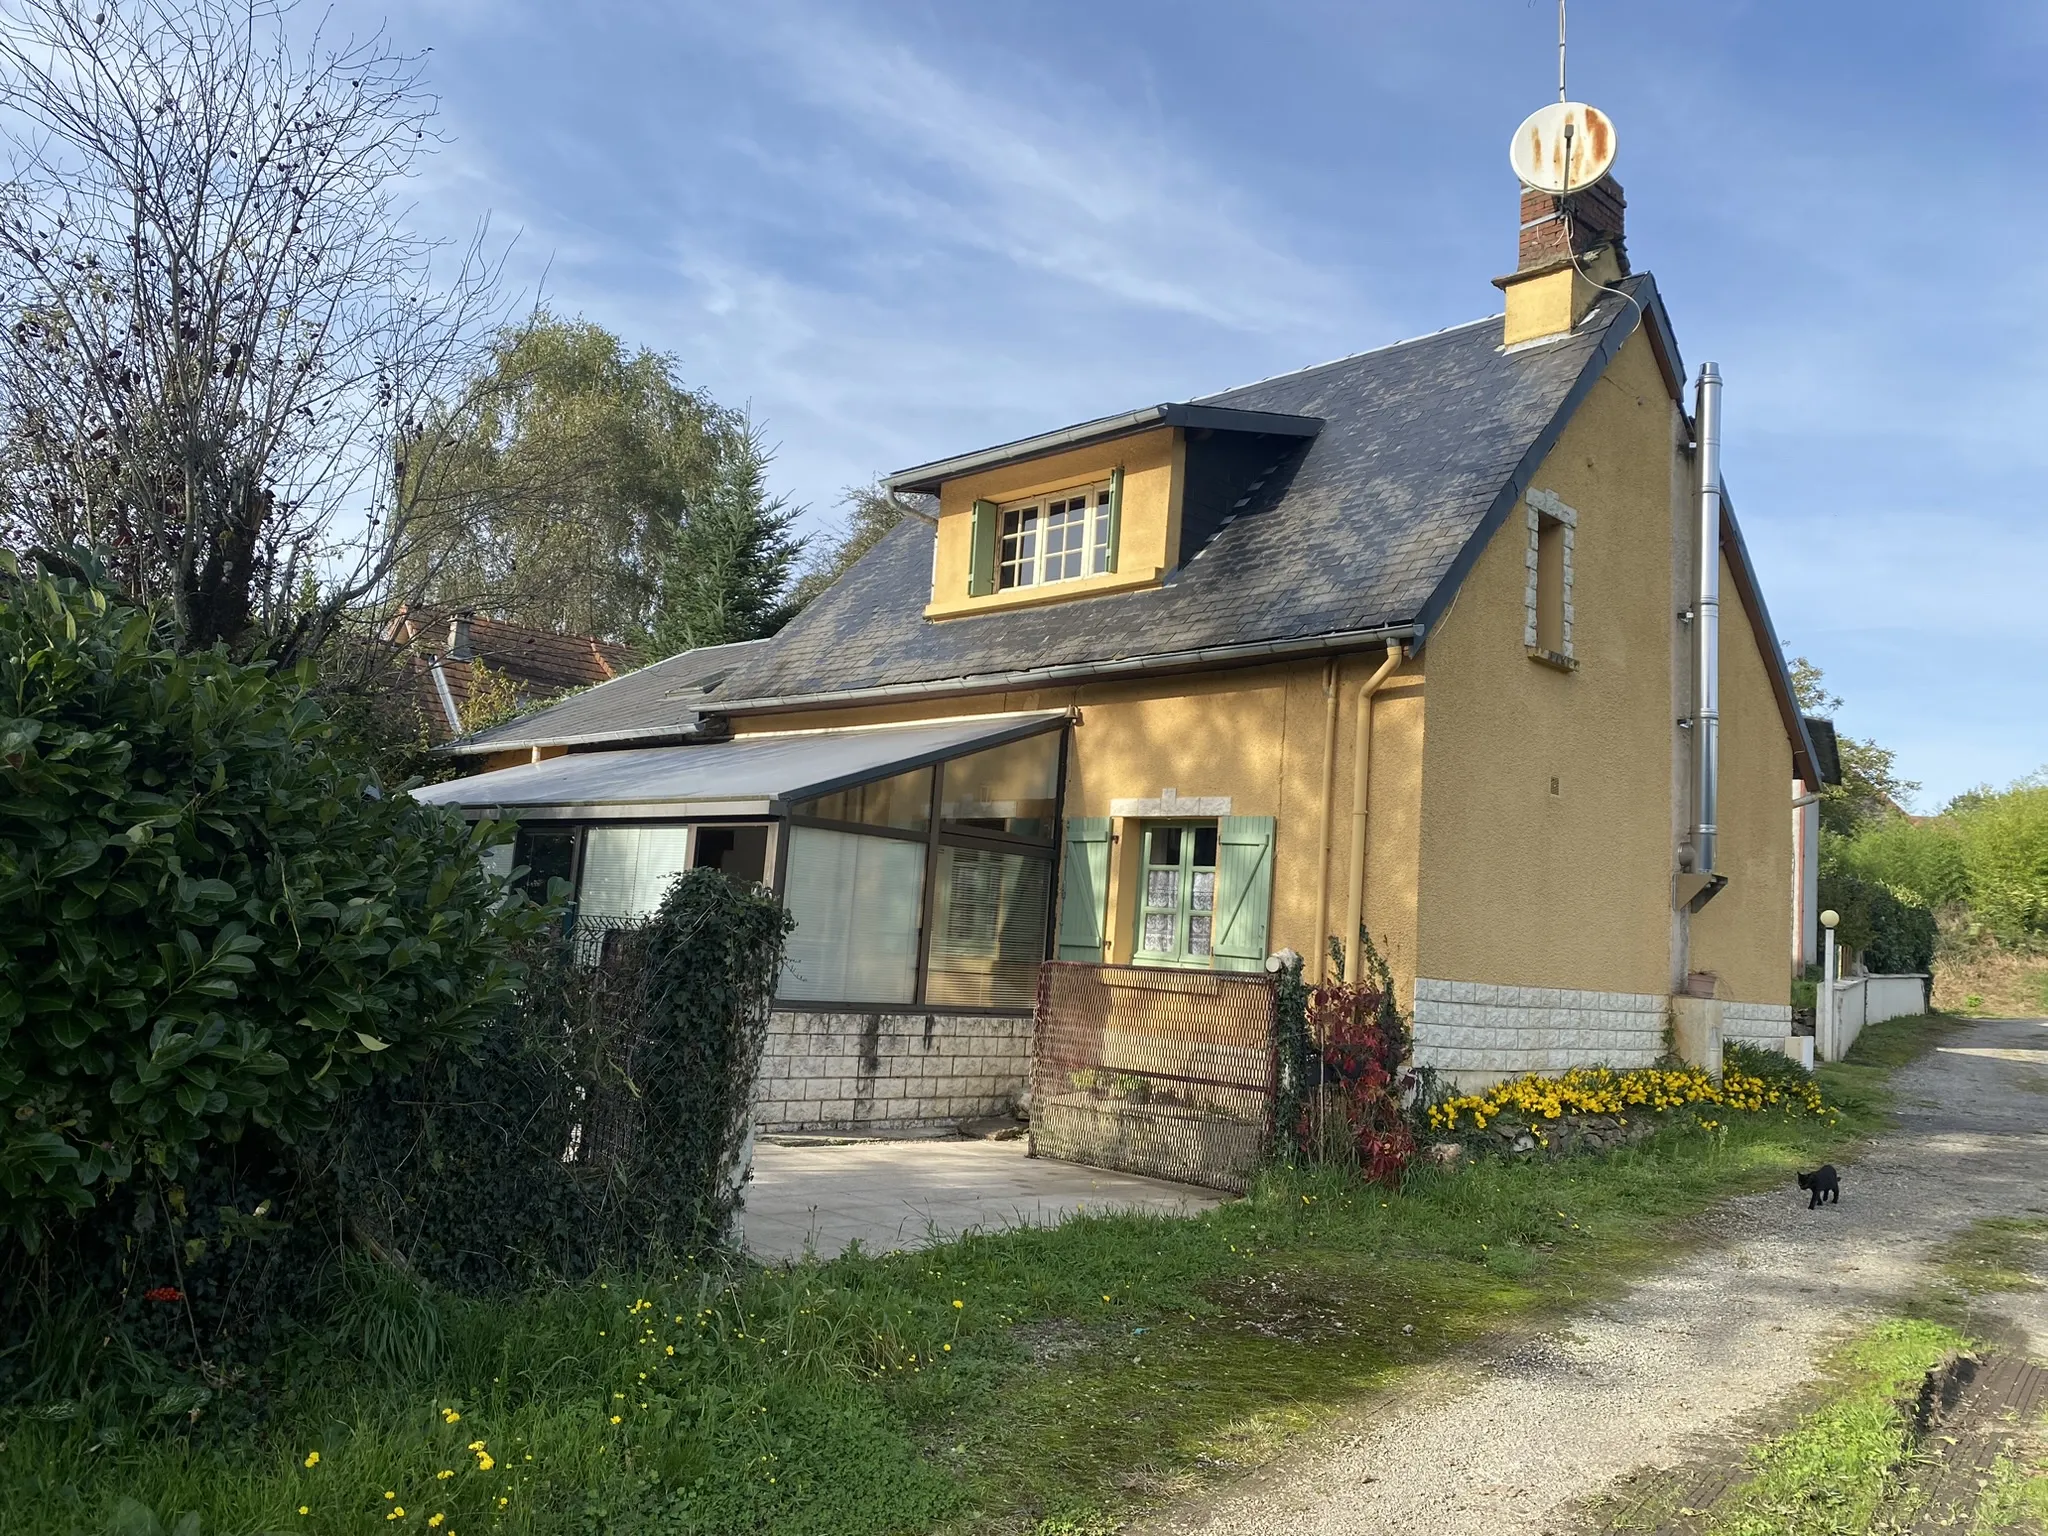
(312, 1458)
(615, 1418)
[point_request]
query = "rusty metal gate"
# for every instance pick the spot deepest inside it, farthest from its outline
(1162, 1072)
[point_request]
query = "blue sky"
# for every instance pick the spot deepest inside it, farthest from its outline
(896, 231)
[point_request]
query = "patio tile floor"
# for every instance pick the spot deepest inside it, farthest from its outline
(904, 1194)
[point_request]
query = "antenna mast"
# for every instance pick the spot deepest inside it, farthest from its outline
(1560, 51)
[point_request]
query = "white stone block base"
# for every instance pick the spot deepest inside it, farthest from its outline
(889, 1071)
(1478, 1032)
(1760, 1024)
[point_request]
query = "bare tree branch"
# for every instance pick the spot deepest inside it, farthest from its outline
(216, 317)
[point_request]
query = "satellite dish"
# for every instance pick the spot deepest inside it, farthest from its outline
(1539, 150)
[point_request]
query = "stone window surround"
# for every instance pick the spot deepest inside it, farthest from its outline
(1539, 505)
(1172, 803)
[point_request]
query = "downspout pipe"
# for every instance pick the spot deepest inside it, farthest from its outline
(1319, 963)
(1361, 785)
(1706, 628)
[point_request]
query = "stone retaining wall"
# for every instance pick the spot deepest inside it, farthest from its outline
(890, 1071)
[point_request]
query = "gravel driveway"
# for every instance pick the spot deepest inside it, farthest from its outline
(1505, 1443)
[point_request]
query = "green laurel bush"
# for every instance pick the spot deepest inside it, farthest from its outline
(211, 917)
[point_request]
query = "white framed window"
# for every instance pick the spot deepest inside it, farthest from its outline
(1054, 538)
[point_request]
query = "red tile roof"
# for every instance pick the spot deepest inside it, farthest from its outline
(540, 662)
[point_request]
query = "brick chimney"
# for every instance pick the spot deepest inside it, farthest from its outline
(1563, 260)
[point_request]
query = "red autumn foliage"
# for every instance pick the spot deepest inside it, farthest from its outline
(1362, 1074)
(164, 1293)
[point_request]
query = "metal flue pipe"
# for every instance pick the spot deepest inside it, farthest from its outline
(1706, 627)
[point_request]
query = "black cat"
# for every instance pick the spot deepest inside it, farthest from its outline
(1825, 1183)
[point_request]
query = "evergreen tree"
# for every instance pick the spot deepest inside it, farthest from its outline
(724, 573)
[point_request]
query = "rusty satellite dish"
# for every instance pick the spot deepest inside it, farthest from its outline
(1565, 147)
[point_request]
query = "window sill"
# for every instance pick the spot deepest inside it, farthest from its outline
(1054, 592)
(1163, 976)
(1553, 660)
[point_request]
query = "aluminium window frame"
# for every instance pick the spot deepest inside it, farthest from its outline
(935, 836)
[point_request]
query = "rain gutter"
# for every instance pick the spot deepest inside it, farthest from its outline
(1247, 653)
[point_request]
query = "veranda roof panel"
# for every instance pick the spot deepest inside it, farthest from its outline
(750, 776)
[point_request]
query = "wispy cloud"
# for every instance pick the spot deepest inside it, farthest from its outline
(1046, 170)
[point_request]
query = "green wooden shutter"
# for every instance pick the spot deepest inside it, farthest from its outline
(981, 550)
(1244, 891)
(1084, 888)
(1116, 512)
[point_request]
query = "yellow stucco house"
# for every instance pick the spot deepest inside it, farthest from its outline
(1409, 638)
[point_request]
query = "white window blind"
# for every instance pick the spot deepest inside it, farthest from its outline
(855, 900)
(627, 870)
(989, 932)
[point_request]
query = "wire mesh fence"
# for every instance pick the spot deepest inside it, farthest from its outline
(601, 940)
(1161, 1072)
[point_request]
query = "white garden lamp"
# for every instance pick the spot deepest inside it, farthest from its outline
(1824, 1023)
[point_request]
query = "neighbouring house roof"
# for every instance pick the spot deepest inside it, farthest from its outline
(1391, 471)
(1827, 751)
(656, 703)
(444, 649)
(753, 776)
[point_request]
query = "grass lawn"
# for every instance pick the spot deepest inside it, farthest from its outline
(1028, 1380)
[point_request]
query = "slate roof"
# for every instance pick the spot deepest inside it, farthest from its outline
(1357, 529)
(656, 703)
(1366, 528)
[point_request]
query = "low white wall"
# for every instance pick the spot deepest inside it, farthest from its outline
(889, 1071)
(1846, 1008)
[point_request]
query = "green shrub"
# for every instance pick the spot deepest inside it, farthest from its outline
(1921, 862)
(1775, 1068)
(211, 920)
(2004, 840)
(599, 1123)
(1893, 937)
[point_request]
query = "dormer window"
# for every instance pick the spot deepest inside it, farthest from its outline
(1108, 507)
(1055, 538)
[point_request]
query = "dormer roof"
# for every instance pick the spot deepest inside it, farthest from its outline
(927, 478)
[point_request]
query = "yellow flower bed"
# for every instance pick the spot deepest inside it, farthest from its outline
(1605, 1091)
